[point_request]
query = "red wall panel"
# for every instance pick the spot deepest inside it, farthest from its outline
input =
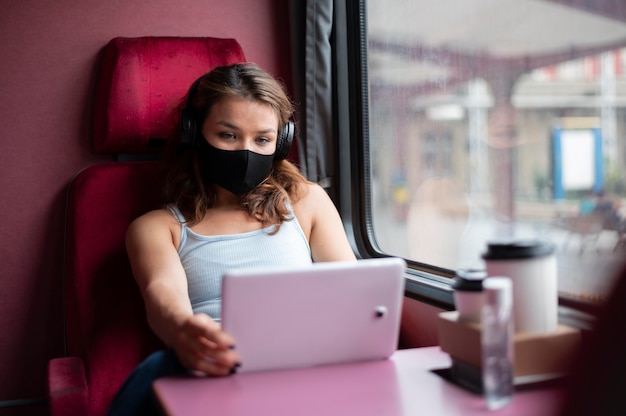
(50, 51)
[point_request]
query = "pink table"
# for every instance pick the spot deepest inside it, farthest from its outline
(401, 385)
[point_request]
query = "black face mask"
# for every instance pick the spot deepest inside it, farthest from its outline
(238, 171)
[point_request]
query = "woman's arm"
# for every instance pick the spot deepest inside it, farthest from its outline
(323, 226)
(199, 342)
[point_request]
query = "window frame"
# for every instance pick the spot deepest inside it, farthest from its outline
(426, 283)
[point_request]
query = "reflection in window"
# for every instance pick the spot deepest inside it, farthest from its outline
(498, 119)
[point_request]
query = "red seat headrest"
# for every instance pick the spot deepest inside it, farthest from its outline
(143, 82)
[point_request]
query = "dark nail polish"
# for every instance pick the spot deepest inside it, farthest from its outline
(231, 347)
(237, 364)
(233, 370)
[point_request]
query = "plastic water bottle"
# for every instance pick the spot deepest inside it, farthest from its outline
(497, 342)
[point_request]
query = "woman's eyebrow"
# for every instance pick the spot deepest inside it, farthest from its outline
(234, 127)
(227, 124)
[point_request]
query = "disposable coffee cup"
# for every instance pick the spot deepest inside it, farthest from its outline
(468, 294)
(531, 266)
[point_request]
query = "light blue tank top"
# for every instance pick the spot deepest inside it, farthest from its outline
(206, 258)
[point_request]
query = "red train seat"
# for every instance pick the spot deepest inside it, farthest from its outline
(141, 85)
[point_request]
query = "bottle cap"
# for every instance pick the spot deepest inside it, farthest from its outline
(498, 291)
(517, 249)
(468, 280)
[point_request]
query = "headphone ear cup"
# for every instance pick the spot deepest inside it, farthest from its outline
(187, 128)
(285, 139)
(188, 124)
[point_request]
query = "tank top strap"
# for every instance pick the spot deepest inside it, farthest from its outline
(183, 224)
(292, 214)
(176, 213)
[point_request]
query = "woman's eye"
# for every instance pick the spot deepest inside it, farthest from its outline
(263, 140)
(226, 135)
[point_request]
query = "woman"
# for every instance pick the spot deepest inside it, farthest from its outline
(234, 201)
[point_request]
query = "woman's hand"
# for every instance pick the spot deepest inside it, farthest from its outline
(202, 346)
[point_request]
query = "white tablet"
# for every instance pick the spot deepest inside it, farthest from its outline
(325, 313)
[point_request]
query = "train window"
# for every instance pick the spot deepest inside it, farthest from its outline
(491, 119)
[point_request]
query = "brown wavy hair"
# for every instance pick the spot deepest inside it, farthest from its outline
(184, 186)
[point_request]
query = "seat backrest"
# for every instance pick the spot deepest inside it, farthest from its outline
(141, 84)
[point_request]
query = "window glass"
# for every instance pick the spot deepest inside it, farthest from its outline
(496, 119)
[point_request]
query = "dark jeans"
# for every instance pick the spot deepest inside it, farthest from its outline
(135, 397)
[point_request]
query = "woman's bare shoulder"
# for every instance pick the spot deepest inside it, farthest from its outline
(311, 198)
(311, 192)
(162, 214)
(313, 203)
(156, 219)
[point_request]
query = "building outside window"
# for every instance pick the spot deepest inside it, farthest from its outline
(496, 119)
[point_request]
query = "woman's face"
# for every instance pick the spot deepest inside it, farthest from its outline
(238, 124)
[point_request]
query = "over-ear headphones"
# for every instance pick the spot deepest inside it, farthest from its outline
(189, 128)
(283, 143)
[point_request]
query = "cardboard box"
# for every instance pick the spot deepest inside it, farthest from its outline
(535, 354)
